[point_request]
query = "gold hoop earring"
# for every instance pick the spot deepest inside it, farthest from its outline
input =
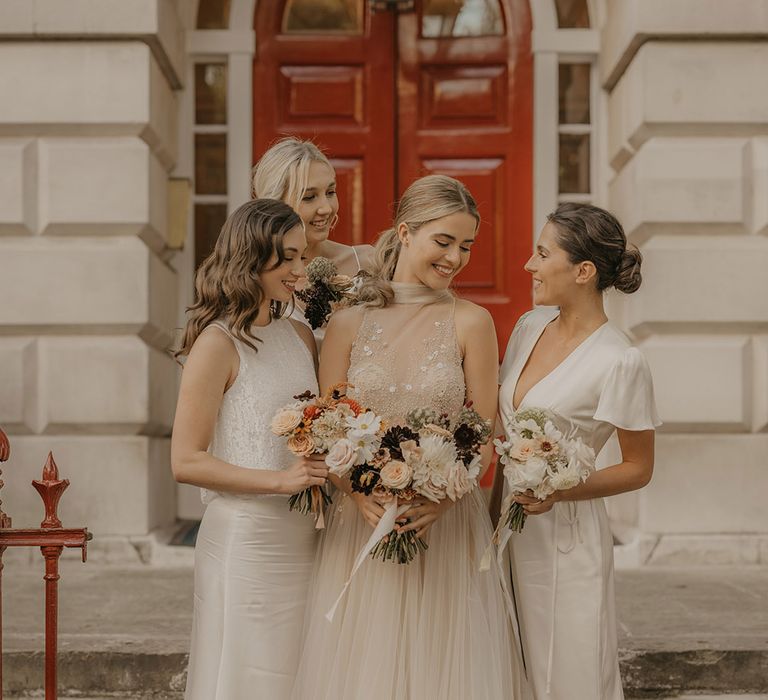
(334, 221)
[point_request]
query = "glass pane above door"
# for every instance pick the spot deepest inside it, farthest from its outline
(323, 17)
(461, 18)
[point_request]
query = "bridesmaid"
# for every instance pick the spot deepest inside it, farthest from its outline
(298, 173)
(570, 359)
(243, 362)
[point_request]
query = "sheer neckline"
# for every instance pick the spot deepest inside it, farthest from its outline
(414, 293)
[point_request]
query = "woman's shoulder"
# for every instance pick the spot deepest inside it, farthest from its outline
(472, 313)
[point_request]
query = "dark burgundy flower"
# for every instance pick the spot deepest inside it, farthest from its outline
(396, 435)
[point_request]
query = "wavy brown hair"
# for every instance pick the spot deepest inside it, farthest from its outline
(427, 199)
(227, 282)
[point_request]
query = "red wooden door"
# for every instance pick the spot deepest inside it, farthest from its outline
(465, 109)
(442, 86)
(324, 70)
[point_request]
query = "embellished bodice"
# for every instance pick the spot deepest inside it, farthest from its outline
(407, 356)
(266, 380)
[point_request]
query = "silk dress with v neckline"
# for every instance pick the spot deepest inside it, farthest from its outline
(561, 564)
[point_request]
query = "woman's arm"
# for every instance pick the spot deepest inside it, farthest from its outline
(634, 472)
(210, 369)
(477, 339)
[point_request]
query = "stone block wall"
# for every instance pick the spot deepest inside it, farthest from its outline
(88, 138)
(687, 137)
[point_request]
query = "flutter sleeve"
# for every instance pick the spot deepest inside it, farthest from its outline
(627, 400)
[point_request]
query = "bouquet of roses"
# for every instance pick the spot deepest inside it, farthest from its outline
(426, 457)
(539, 457)
(326, 291)
(313, 425)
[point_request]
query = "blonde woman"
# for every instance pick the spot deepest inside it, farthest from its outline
(243, 362)
(436, 627)
(299, 173)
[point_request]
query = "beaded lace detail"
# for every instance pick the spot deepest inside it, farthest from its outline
(407, 356)
(267, 380)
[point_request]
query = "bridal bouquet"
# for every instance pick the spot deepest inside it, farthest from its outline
(327, 291)
(313, 425)
(426, 457)
(540, 458)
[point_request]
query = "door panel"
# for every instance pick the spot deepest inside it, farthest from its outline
(465, 110)
(322, 79)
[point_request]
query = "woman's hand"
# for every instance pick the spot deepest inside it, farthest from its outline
(534, 506)
(422, 514)
(369, 507)
(302, 474)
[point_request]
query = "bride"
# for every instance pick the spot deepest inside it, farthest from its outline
(437, 627)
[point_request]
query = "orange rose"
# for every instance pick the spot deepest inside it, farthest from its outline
(311, 412)
(302, 445)
(356, 407)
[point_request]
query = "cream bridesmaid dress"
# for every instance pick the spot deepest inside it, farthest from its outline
(253, 556)
(562, 561)
(438, 627)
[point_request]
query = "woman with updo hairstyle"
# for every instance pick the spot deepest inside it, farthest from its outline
(438, 626)
(570, 360)
(299, 173)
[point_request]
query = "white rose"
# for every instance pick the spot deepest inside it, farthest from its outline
(341, 458)
(396, 475)
(527, 475)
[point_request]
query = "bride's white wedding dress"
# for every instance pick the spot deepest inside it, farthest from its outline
(434, 628)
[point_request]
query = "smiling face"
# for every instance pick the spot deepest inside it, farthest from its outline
(319, 204)
(435, 253)
(279, 282)
(555, 278)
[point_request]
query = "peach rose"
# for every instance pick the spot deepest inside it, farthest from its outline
(286, 421)
(341, 457)
(396, 475)
(523, 449)
(302, 445)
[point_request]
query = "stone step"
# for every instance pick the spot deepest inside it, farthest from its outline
(124, 632)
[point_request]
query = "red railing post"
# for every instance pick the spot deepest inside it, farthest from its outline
(5, 523)
(51, 537)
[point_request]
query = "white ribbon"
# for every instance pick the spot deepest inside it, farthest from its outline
(387, 523)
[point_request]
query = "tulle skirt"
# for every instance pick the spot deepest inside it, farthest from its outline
(437, 627)
(253, 560)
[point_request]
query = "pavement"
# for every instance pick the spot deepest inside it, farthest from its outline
(124, 631)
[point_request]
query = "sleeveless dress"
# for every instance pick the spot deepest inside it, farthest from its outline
(436, 627)
(253, 557)
(297, 313)
(562, 561)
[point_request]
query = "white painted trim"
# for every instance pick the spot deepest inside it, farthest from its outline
(221, 41)
(545, 142)
(576, 41)
(240, 118)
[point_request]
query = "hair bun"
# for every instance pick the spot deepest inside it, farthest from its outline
(629, 278)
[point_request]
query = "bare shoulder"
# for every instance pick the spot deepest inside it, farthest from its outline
(214, 354)
(472, 317)
(346, 321)
(365, 254)
(305, 333)
(214, 341)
